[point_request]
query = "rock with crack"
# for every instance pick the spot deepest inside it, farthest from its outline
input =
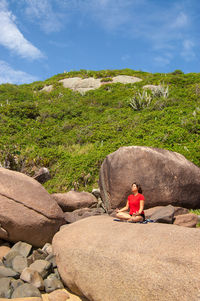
(28, 212)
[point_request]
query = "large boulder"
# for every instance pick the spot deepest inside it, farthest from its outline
(28, 212)
(166, 177)
(73, 200)
(106, 260)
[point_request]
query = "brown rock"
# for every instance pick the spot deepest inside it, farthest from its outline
(126, 261)
(73, 200)
(166, 177)
(3, 251)
(187, 220)
(58, 295)
(28, 212)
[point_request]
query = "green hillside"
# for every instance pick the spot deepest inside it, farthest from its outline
(71, 134)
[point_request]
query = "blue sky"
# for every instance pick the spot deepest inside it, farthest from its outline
(41, 38)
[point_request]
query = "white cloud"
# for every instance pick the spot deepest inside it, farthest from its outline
(50, 19)
(12, 38)
(9, 75)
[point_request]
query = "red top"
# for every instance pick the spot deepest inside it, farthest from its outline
(134, 202)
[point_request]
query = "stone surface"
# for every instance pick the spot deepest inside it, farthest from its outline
(15, 283)
(47, 248)
(5, 288)
(19, 263)
(180, 211)
(126, 79)
(26, 290)
(52, 283)
(8, 258)
(187, 220)
(71, 217)
(32, 277)
(166, 177)
(73, 200)
(8, 272)
(43, 267)
(3, 251)
(107, 260)
(22, 248)
(58, 295)
(28, 212)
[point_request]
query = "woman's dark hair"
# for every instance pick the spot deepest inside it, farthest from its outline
(138, 187)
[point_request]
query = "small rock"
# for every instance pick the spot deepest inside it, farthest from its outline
(5, 288)
(8, 272)
(3, 251)
(52, 283)
(38, 254)
(19, 263)
(15, 283)
(43, 175)
(26, 290)
(51, 258)
(23, 248)
(47, 248)
(58, 295)
(187, 220)
(8, 258)
(43, 267)
(32, 277)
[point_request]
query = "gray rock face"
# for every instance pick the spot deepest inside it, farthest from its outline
(26, 290)
(28, 212)
(107, 260)
(166, 177)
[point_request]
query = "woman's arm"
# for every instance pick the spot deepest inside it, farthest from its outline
(124, 208)
(141, 207)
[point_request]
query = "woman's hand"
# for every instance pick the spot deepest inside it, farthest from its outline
(117, 210)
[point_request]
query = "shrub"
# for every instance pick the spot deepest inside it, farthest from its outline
(140, 101)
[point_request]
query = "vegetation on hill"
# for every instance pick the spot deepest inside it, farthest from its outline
(71, 134)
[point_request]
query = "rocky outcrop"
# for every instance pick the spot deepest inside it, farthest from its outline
(166, 177)
(27, 211)
(107, 260)
(82, 85)
(74, 200)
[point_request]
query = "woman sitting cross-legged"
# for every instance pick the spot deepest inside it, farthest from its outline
(135, 205)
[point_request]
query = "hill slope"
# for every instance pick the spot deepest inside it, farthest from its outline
(71, 133)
